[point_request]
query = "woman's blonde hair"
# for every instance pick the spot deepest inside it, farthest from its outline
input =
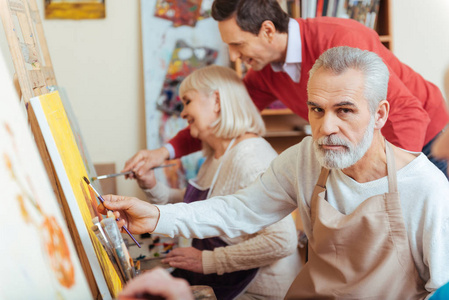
(238, 114)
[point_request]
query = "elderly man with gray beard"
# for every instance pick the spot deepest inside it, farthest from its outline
(377, 216)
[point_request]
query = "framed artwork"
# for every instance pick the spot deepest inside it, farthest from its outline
(178, 36)
(70, 170)
(39, 260)
(75, 9)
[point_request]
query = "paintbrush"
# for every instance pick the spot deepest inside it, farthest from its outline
(126, 173)
(111, 175)
(102, 201)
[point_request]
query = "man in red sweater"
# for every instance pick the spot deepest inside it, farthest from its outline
(281, 51)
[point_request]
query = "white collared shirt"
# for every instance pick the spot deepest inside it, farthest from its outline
(293, 59)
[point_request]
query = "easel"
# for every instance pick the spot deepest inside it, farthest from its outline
(27, 44)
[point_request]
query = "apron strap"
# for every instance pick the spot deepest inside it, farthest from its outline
(323, 177)
(320, 186)
(391, 168)
(391, 177)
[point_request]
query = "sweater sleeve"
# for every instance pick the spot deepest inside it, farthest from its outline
(264, 248)
(184, 143)
(266, 201)
(162, 194)
(254, 84)
(407, 121)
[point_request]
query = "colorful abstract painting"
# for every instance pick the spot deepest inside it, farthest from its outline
(75, 9)
(70, 169)
(184, 60)
(171, 52)
(38, 259)
(180, 12)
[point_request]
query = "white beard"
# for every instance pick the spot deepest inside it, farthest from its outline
(341, 159)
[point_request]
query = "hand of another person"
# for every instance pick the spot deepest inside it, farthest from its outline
(187, 258)
(144, 160)
(156, 282)
(147, 180)
(137, 215)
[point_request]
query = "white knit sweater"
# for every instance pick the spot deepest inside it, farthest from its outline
(288, 183)
(273, 249)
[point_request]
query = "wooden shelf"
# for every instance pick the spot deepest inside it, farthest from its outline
(385, 38)
(276, 111)
(285, 133)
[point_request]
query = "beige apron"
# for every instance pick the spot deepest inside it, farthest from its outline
(363, 255)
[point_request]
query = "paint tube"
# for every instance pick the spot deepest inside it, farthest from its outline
(115, 238)
(99, 232)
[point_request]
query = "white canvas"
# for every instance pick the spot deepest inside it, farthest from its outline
(38, 259)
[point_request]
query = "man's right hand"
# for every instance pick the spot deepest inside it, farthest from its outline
(137, 215)
(144, 160)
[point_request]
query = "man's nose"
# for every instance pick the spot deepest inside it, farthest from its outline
(329, 125)
(233, 54)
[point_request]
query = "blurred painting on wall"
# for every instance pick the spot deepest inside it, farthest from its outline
(178, 36)
(75, 9)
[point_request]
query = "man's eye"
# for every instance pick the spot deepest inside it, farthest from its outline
(316, 109)
(187, 102)
(345, 110)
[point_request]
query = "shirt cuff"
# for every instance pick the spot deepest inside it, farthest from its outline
(208, 260)
(165, 224)
(171, 150)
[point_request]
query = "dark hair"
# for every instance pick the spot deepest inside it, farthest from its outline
(250, 14)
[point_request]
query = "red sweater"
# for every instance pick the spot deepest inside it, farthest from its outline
(417, 107)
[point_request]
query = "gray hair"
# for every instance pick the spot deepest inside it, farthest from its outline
(376, 74)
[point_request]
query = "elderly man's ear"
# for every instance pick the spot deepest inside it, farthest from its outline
(381, 114)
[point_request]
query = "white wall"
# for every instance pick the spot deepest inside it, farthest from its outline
(99, 62)
(421, 37)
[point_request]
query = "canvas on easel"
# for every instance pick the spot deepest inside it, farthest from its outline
(70, 170)
(38, 258)
(31, 59)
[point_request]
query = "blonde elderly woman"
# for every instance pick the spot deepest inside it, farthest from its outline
(221, 114)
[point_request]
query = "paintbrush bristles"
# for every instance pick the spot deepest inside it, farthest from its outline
(86, 180)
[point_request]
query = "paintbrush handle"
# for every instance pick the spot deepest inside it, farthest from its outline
(128, 172)
(130, 235)
(102, 201)
(163, 166)
(111, 175)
